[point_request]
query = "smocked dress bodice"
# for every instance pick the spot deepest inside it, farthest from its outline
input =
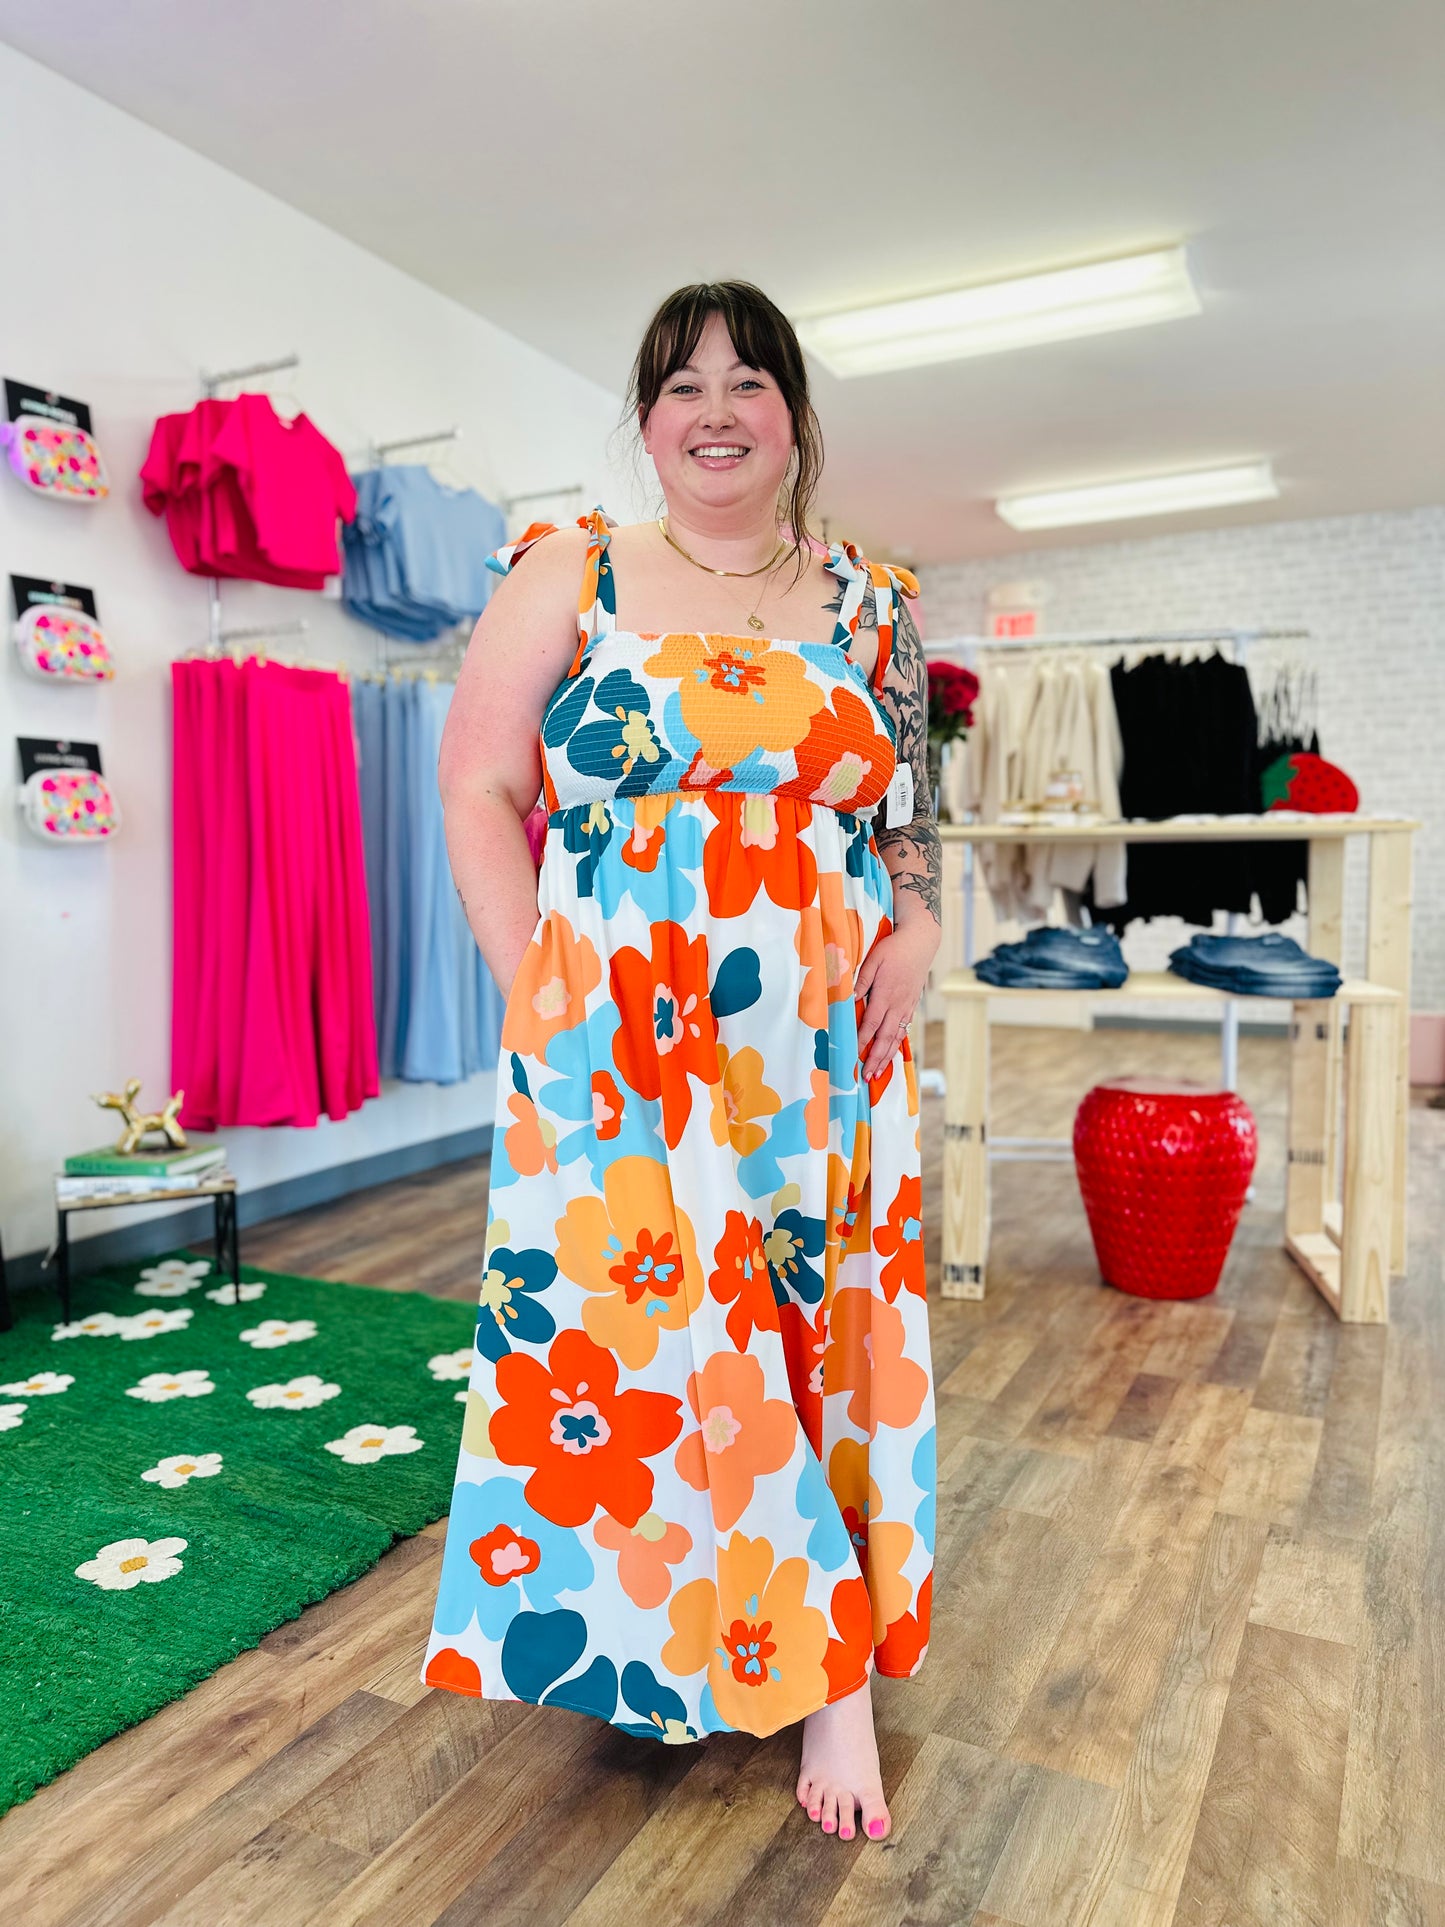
(693, 712)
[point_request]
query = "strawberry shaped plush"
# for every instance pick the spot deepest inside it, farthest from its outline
(1304, 781)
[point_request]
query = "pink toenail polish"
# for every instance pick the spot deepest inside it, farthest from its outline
(846, 1834)
(875, 1828)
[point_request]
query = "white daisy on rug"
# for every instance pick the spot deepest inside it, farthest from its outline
(272, 1332)
(296, 1395)
(451, 1364)
(226, 1294)
(156, 1387)
(40, 1384)
(130, 1562)
(100, 1324)
(364, 1444)
(154, 1324)
(173, 1277)
(13, 1415)
(170, 1473)
(461, 1396)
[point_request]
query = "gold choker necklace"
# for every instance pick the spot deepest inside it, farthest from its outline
(767, 567)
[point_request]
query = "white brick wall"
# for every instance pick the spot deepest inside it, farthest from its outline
(1371, 591)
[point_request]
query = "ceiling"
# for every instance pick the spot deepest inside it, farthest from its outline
(559, 166)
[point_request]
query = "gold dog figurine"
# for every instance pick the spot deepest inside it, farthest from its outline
(140, 1124)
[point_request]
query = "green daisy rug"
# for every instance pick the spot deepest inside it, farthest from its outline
(181, 1473)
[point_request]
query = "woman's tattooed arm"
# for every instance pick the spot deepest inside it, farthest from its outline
(912, 851)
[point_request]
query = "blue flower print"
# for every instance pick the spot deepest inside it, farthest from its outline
(586, 832)
(540, 1647)
(738, 983)
(793, 1240)
(506, 1309)
(925, 1477)
(498, 1549)
(828, 1542)
(760, 1173)
(565, 711)
(666, 891)
(623, 742)
(579, 1055)
(662, 1714)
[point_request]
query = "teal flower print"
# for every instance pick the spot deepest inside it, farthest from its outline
(508, 1308)
(793, 1240)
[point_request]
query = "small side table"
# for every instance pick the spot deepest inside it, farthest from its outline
(221, 1190)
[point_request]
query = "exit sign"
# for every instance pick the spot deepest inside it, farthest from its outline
(1007, 623)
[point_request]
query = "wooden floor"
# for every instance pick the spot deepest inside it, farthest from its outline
(1188, 1656)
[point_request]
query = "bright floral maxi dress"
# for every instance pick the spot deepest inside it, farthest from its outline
(696, 1482)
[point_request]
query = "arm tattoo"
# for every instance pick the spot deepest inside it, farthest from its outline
(912, 851)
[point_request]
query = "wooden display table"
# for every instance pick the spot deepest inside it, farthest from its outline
(220, 1189)
(1345, 1251)
(1316, 1047)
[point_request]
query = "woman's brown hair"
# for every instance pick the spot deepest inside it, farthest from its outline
(763, 337)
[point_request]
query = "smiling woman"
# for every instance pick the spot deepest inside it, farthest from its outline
(702, 1355)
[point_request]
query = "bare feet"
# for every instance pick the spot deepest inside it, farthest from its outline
(840, 1768)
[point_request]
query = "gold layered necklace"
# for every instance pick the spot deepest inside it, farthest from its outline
(754, 622)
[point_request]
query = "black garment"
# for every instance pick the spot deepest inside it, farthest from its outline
(1281, 868)
(1190, 737)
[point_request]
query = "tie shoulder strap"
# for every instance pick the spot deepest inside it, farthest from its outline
(887, 583)
(596, 598)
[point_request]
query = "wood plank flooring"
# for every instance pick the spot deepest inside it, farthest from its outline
(1188, 1660)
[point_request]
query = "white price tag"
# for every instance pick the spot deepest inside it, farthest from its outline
(899, 803)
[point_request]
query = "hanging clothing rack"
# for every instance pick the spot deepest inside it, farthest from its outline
(379, 451)
(509, 502)
(1145, 639)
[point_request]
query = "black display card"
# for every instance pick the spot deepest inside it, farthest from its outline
(30, 589)
(37, 754)
(23, 398)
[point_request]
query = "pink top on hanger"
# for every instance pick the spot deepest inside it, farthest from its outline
(294, 482)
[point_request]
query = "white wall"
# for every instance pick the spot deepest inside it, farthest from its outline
(1371, 591)
(131, 263)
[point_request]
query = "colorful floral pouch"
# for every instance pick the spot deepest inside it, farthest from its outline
(63, 645)
(59, 459)
(70, 806)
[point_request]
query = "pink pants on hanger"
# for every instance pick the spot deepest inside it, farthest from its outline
(271, 1004)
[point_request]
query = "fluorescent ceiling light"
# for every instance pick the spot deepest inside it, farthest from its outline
(1208, 488)
(1057, 306)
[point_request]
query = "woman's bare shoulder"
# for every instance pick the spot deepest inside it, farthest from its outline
(541, 587)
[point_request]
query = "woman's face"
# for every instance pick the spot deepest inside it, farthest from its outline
(719, 434)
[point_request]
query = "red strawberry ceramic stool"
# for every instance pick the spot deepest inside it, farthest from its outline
(1164, 1168)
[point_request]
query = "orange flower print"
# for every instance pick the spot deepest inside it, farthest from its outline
(845, 761)
(640, 843)
(763, 1648)
(532, 1141)
(849, 1656)
(741, 1433)
(805, 1340)
(549, 993)
(668, 1033)
(606, 1105)
(757, 847)
(740, 1098)
(738, 694)
(504, 1554)
(455, 1671)
(904, 1647)
(644, 1554)
(741, 1279)
(585, 1441)
(634, 1251)
(900, 1240)
(829, 941)
(889, 1544)
(856, 1493)
(866, 1357)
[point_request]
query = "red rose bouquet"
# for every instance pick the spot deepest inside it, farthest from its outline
(952, 692)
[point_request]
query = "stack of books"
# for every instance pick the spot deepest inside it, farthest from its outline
(137, 1174)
